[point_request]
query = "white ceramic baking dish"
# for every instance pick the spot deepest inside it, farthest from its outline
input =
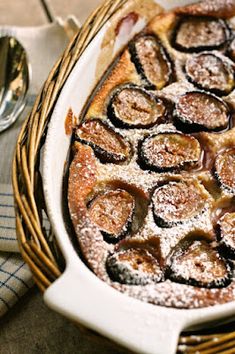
(78, 293)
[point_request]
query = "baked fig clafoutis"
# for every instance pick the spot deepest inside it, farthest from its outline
(151, 185)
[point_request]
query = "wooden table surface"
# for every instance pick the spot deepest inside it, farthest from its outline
(30, 327)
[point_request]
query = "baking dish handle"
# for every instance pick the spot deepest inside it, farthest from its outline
(137, 325)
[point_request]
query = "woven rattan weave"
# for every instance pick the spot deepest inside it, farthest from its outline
(38, 247)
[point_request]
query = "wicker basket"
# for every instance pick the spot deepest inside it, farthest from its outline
(38, 247)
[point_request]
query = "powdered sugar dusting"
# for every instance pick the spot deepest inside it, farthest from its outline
(211, 70)
(194, 32)
(203, 109)
(96, 251)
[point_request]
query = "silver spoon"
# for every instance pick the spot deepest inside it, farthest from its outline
(14, 80)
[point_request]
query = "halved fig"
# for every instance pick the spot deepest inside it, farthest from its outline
(169, 151)
(225, 170)
(178, 202)
(108, 145)
(134, 266)
(198, 111)
(151, 61)
(195, 34)
(211, 72)
(134, 107)
(227, 234)
(112, 212)
(198, 264)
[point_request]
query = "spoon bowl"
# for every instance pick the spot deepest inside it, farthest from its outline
(14, 80)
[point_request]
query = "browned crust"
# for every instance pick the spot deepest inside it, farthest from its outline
(82, 179)
(217, 142)
(214, 8)
(162, 24)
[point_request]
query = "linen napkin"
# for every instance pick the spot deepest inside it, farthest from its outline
(43, 46)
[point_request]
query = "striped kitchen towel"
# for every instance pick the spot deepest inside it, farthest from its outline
(15, 280)
(43, 45)
(8, 240)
